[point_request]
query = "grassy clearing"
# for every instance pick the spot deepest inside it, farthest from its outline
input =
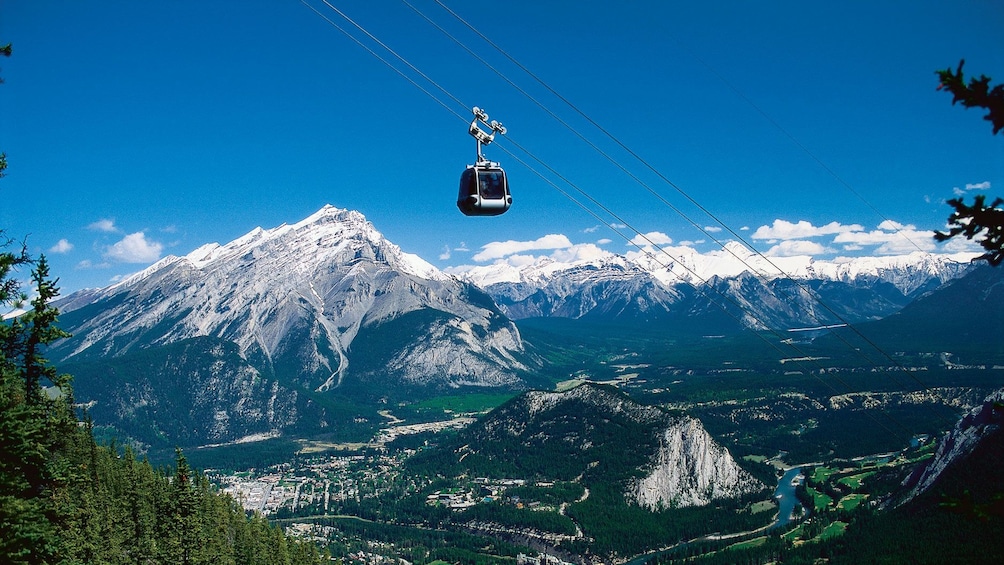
(310, 447)
(763, 506)
(569, 384)
(819, 500)
(833, 530)
(821, 474)
(855, 481)
(852, 501)
(755, 542)
(464, 404)
(794, 534)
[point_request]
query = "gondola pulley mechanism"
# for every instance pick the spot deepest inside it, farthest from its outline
(484, 189)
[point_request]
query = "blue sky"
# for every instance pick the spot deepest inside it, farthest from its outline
(135, 130)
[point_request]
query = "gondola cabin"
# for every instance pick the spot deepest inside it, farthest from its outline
(484, 190)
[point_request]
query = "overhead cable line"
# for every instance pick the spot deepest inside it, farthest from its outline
(840, 180)
(754, 270)
(593, 200)
(705, 284)
(384, 61)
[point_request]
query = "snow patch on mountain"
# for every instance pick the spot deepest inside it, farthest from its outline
(303, 291)
(672, 265)
(756, 291)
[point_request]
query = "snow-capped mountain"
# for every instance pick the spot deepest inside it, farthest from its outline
(309, 304)
(673, 265)
(754, 290)
(304, 290)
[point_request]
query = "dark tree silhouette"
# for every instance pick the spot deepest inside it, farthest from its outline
(972, 221)
(5, 51)
(977, 94)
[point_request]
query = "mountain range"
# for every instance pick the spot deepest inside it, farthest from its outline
(311, 327)
(740, 287)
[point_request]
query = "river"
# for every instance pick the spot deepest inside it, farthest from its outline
(786, 500)
(784, 494)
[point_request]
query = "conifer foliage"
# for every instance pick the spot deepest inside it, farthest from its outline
(65, 499)
(982, 222)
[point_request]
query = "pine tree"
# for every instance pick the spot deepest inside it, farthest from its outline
(35, 429)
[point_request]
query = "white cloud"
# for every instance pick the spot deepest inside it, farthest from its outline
(499, 249)
(985, 185)
(104, 225)
(891, 225)
(651, 238)
(892, 239)
(604, 241)
(782, 230)
(87, 264)
(519, 260)
(448, 252)
(903, 246)
(617, 226)
(712, 229)
(569, 254)
(580, 252)
(592, 229)
(961, 245)
(62, 246)
(797, 247)
(134, 248)
(889, 238)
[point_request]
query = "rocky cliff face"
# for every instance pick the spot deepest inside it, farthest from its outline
(981, 422)
(691, 469)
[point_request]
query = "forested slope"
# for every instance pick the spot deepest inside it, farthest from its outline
(65, 499)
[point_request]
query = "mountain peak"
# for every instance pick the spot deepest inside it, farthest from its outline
(297, 296)
(329, 214)
(329, 227)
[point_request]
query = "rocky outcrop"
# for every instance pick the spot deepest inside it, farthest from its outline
(981, 422)
(596, 434)
(691, 469)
